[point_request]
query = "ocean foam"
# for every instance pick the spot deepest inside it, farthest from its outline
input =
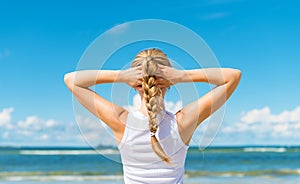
(253, 149)
(69, 152)
(62, 178)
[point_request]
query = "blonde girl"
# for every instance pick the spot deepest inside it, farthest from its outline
(153, 142)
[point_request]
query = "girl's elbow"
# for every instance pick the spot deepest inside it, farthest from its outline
(232, 75)
(238, 74)
(69, 78)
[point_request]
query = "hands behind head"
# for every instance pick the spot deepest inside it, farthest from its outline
(172, 75)
(165, 76)
(131, 76)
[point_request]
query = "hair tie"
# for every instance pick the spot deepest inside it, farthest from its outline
(152, 134)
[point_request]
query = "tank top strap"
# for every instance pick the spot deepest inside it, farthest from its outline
(176, 129)
(135, 122)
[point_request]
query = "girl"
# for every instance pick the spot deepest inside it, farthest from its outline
(153, 142)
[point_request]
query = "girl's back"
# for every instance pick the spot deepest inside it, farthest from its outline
(140, 163)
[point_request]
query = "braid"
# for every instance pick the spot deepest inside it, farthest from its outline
(149, 59)
(154, 103)
(151, 96)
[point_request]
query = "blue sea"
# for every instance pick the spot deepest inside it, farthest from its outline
(213, 165)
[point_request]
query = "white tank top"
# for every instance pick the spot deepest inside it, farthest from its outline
(140, 163)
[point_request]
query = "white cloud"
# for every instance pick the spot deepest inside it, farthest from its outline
(94, 131)
(50, 123)
(5, 116)
(169, 105)
(97, 133)
(173, 107)
(257, 115)
(259, 126)
(264, 115)
(5, 135)
(262, 123)
(34, 130)
(44, 137)
(31, 122)
(136, 104)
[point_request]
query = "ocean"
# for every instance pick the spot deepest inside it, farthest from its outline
(214, 165)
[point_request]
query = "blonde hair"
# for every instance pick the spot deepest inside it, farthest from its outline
(149, 59)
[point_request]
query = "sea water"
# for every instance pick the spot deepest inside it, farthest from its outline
(213, 165)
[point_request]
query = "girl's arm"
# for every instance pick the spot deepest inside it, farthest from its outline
(79, 82)
(190, 116)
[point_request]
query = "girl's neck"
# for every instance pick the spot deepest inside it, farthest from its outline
(143, 108)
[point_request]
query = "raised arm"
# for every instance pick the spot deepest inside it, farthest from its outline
(190, 116)
(79, 82)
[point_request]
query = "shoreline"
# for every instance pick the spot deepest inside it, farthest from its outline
(195, 180)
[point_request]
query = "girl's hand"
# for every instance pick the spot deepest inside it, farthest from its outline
(131, 76)
(172, 75)
(162, 83)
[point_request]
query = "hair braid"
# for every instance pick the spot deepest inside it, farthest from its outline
(149, 59)
(154, 104)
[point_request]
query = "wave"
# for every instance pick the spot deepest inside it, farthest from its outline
(38, 176)
(274, 173)
(295, 149)
(98, 176)
(69, 152)
(266, 149)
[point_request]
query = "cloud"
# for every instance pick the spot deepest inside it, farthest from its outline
(33, 130)
(36, 131)
(169, 105)
(264, 115)
(262, 123)
(257, 126)
(5, 116)
(136, 104)
(98, 133)
(94, 131)
(173, 107)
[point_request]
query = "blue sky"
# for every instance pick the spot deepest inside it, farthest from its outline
(41, 41)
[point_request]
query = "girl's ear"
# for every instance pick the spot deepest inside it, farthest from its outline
(139, 89)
